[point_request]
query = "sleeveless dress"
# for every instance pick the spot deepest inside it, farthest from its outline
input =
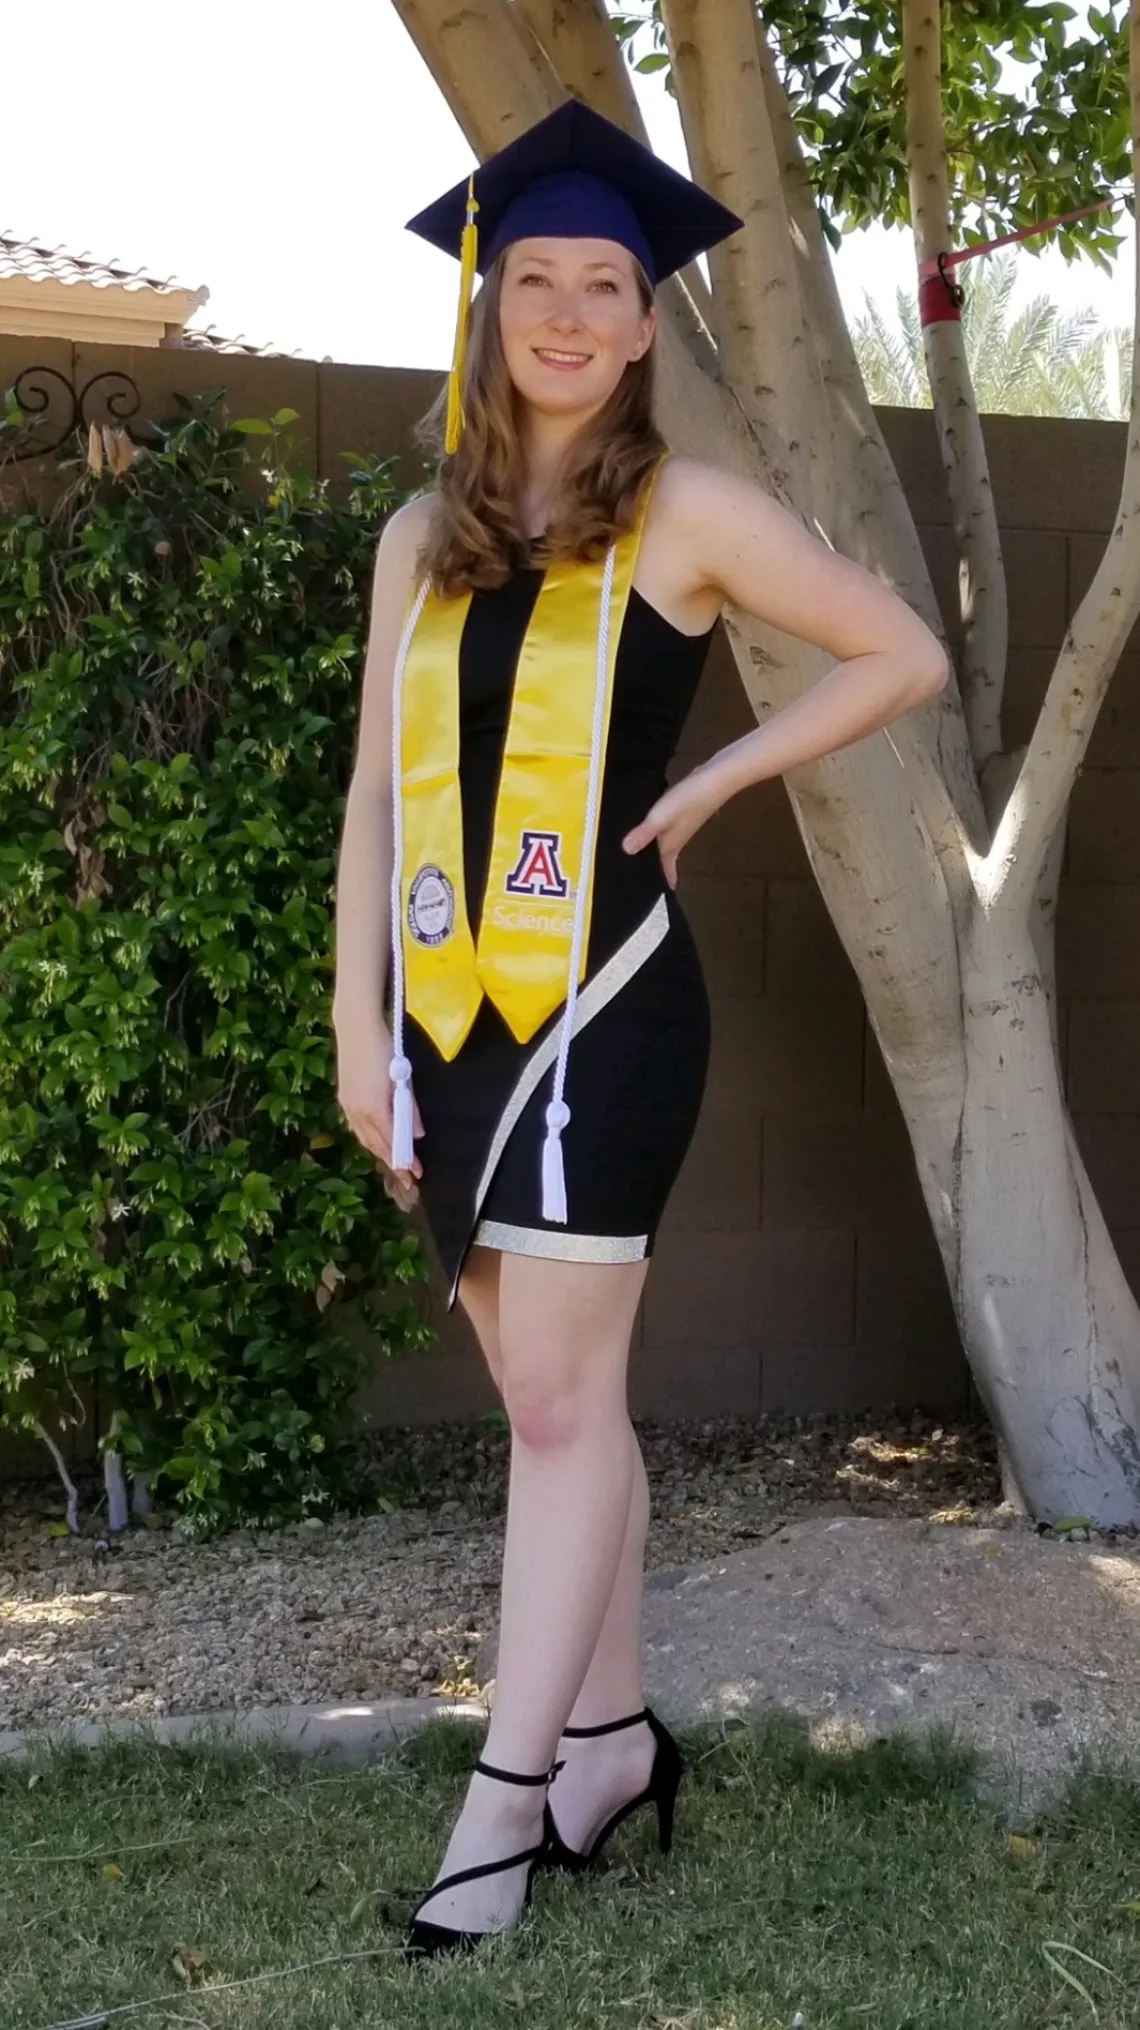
(639, 1052)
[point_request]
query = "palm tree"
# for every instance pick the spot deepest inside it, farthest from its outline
(1041, 364)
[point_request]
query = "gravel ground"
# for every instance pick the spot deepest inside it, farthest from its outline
(398, 1601)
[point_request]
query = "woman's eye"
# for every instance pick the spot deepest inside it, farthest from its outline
(603, 282)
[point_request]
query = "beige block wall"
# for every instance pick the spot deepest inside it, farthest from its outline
(341, 408)
(795, 1268)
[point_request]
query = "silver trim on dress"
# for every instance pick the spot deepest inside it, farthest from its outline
(559, 1246)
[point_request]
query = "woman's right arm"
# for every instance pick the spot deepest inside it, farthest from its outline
(364, 872)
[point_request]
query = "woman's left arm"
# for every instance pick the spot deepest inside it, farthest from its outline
(739, 540)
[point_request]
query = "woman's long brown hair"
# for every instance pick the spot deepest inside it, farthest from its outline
(477, 537)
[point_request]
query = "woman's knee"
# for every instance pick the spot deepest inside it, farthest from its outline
(546, 1415)
(556, 1393)
(564, 1336)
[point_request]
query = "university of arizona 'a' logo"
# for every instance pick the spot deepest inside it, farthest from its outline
(539, 870)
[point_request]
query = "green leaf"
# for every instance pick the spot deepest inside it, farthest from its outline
(1051, 1947)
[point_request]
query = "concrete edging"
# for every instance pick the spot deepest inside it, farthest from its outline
(351, 1729)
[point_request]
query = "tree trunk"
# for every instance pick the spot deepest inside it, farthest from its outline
(114, 1479)
(1048, 1321)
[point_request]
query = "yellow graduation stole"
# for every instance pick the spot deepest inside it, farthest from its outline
(537, 907)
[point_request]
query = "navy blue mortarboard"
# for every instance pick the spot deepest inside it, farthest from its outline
(573, 176)
(577, 176)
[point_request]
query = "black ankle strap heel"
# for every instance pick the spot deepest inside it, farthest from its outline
(426, 1940)
(661, 1790)
(510, 1775)
(609, 1726)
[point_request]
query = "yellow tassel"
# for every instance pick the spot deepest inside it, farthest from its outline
(467, 261)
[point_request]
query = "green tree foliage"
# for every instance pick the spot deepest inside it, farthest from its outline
(1036, 106)
(1037, 363)
(180, 652)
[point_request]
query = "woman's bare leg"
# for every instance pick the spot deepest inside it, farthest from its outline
(600, 1772)
(564, 1331)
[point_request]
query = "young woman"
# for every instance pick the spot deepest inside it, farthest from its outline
(538, 627)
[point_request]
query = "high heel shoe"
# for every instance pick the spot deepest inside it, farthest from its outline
(661, 1790)
(424, 1939)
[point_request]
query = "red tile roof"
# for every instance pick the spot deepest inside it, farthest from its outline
(30, 262)
(36, 263)
(205, 339)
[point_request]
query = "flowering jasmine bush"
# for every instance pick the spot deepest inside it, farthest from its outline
(183, 1216)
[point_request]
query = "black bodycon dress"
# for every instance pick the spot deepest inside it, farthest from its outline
(639, 1053)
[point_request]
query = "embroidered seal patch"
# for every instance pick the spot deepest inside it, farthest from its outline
(431, 907)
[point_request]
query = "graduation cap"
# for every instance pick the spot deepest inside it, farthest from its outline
(573, 176)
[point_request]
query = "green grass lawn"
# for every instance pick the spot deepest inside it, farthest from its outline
(863, 1888)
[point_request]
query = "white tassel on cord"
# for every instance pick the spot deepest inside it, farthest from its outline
(553, 1169)
(557, 1112)
(403, 1145)
(400, 1070)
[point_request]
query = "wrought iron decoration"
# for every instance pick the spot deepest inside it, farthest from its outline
(35, 401)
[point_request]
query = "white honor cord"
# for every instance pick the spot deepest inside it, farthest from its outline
(403, 1146)
(558, 1113)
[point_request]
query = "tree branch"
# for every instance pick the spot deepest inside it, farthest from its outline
(868, 512)
(579, 42)
(456, 43)
(69, 1484)
(883, 514)
(763, 343)
(1098, 633)
(675, 300)
(1089, 655)
(982, 580)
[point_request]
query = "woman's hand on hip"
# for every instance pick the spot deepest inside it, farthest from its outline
(674, 818)
(365, 1093)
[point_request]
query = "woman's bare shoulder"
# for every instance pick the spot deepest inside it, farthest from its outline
(708, 509)
(406, 530)
(693, 486)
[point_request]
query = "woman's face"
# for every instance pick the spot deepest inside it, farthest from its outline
(571, 320)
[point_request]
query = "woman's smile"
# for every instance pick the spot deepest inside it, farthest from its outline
(562, 361)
